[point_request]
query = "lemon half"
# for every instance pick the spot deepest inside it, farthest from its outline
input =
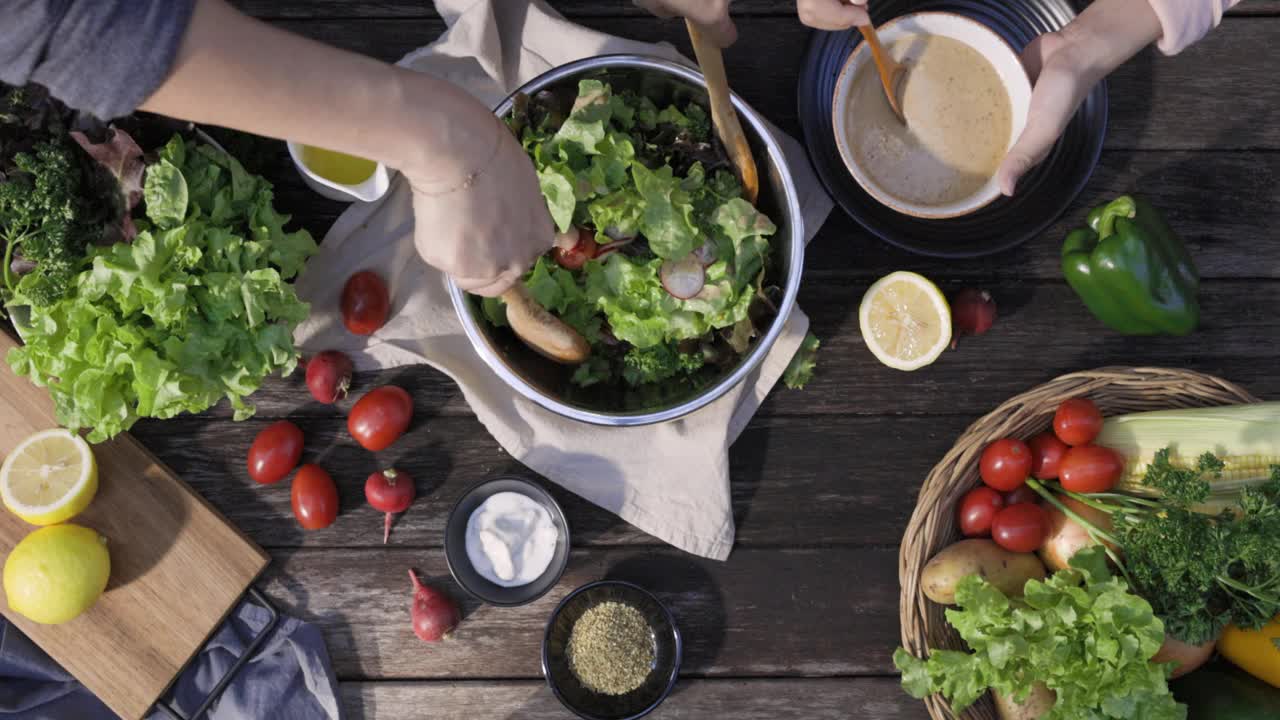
(49, 478)
(905, 321)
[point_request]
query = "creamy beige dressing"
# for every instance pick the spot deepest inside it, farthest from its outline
(959, 121)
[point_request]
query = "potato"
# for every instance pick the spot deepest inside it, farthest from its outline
(1008, 571)
(1065, 537)
(1187, 657)
(1037, 705)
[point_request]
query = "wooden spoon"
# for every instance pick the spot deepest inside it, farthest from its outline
(891, 70)
(545, 333)
(723, 116)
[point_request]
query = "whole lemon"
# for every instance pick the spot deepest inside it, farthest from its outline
(56, 573)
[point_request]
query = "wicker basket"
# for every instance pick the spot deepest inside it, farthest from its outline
(1116, 390)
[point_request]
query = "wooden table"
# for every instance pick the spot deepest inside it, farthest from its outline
(802, 619)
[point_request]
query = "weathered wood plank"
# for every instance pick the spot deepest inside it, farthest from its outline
(770, 613)
(1157, 102)
(742, 9)
(865, 698)
(788, 487)
(1226, 206)
(1043, 330)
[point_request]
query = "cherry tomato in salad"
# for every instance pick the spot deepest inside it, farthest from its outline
(1090, 469)
(1005, 464)
(1046, 455)
(315, 498)
(365, 303)
(1020, 528)
(575, 257)
(380, 417)
(977, 509)
(275, 452)
(1077, 421)
(1021, 494)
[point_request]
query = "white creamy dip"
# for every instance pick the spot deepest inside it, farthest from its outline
(511, 539)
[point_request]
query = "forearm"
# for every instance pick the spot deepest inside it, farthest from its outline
(1109, 32)
(236, 72)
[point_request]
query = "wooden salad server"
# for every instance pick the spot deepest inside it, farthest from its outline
(543, 332)
(723, 115)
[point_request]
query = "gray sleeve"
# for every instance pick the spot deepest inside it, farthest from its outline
(102, 56)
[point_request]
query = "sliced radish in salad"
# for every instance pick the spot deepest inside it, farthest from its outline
(683, 278)
(706, 254)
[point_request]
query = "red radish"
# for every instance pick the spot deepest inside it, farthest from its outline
(329, 376)
(972, 312)
(391, 492)
(683, 278)
(577, 255)
(707, 254)
(568, 239)
(435, 614)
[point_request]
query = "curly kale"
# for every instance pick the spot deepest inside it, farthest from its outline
(658, 363)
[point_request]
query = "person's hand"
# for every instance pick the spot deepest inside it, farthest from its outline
(1062, 78)
(833, 14)
(479, 214)
(712, 15)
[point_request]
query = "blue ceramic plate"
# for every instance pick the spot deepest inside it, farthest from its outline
(1043, 195)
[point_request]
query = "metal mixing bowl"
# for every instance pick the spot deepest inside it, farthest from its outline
(547, 383)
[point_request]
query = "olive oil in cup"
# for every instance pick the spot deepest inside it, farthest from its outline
(339, 176)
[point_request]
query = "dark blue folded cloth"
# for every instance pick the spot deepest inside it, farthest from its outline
(289, 678)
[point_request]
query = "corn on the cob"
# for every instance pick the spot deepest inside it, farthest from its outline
(1245, 437)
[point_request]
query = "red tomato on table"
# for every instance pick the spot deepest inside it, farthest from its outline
(275, 452)
(380, 417)
(365, 303)
(315, 497)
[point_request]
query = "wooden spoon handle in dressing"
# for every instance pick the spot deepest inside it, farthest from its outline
(540, 330)
(723, 116)
(890, 70)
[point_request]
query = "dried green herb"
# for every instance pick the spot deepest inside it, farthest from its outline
(611, 648)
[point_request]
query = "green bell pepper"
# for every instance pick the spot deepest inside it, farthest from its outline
(1219, 691)
(1132, 271)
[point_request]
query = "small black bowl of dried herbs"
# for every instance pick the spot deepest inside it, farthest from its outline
(612, 651)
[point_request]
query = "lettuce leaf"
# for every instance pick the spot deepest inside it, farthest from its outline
(667, 222)
(1081, 632)
(196, 309)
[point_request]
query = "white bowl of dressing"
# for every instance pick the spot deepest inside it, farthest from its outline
(338, 176)
(966, 96)
(507, 541)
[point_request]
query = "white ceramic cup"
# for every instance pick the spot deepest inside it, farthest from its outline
(1000, 54)
(368, 191)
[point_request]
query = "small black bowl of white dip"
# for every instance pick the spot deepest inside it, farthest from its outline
(507, 541)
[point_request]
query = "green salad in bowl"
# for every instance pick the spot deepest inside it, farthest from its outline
(660, 263)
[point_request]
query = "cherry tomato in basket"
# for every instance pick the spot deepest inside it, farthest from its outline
(1020, 528)
(1021, 494)
(1090, 469)
(365, 303)
(575, 257)
(380, 417)
(977, 509)
(315, 497)
(1046, 455)
(1077, 421)
(1005, 464)
(275, 452)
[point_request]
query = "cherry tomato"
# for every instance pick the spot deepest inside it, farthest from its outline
(275, 452)
(380, 417)
(365, 303)
(578, 255)
(315, 497)
(1046, 454)
(1090, 469)
(1020, 528)
(1077, 421)
(1005, 464)
(1021, 494)
(977, 509)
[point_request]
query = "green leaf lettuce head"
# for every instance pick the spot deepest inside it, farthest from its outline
(197, 308)
(1081, 632)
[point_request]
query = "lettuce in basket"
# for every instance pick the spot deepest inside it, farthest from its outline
(198, 307)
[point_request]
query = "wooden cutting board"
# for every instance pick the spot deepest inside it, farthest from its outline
(177, 566)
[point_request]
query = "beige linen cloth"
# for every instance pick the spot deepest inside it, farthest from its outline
(670, 480)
